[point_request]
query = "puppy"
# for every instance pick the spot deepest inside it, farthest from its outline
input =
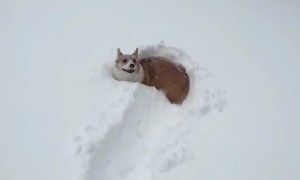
(155, 71)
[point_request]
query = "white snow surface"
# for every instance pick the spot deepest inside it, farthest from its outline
(139, 134)
(63, 116)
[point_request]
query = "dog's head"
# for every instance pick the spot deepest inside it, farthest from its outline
(127, 67)
(127, 62)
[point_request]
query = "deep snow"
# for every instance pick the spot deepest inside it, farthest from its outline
(139, 134)
(62, 116)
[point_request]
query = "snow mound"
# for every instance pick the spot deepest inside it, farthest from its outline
(136, 132)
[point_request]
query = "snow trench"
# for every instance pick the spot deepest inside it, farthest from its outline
(137, 133)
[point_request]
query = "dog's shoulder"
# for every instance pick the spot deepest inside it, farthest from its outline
(157, 61)
(153, 61)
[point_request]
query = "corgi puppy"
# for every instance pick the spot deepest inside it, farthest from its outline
(155, 71)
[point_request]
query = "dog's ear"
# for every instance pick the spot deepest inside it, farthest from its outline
(135, 53)
(119, 53)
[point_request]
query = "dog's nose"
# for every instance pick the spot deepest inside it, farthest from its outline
(131, 66)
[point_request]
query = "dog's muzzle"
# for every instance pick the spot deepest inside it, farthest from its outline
(128, 70)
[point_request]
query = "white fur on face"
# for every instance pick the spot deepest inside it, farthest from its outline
(119, 74)
(127, 65)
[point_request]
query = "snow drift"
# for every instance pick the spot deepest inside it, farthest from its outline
(50, 50)
(137, 133)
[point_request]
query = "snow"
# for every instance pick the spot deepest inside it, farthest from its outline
(63, 116)
(140, 134)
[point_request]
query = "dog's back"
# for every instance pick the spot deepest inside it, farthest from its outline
(166, 76)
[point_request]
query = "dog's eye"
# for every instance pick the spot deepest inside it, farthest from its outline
(134, 61)
(124, 60)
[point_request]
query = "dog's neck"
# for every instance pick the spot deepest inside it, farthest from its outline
(125, 76)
